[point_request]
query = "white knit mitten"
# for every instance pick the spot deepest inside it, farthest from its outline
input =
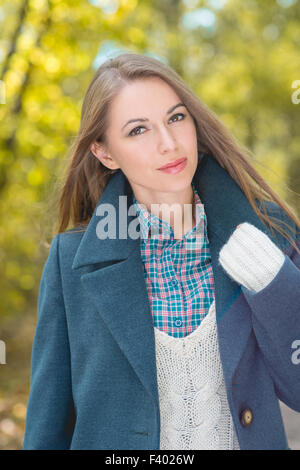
(251, 258)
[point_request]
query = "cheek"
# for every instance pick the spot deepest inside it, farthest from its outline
(135, 160)
(190, 129)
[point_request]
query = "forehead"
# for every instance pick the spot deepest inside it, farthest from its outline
(143, 96)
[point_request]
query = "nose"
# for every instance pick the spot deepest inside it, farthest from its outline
(167, 142)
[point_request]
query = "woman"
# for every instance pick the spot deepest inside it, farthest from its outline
(184, 334)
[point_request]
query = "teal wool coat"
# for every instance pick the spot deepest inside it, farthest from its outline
(93, 368)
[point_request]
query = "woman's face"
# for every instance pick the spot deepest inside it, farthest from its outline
(139, 148)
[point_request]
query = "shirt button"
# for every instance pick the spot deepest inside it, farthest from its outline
(174, 282)
(177, 322)
(246, 417)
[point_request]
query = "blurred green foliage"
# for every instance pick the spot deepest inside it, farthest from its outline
(240, 58)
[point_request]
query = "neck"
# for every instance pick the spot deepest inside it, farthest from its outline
(180, 215)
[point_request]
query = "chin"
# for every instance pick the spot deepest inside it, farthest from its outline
(177, 185)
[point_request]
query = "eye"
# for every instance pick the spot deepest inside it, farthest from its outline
(179, 114)
(141, 127)
(132, 135)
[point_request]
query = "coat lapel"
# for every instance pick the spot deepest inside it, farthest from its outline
(117, 286)
(116, 282)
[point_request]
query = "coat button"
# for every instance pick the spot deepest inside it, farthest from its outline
(246, 417)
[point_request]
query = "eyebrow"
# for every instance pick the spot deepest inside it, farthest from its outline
(145, 119)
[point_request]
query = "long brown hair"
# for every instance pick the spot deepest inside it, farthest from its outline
(86, 177)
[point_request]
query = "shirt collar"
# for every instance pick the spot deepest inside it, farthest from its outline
(150, 223)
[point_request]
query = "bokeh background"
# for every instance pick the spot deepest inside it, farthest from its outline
(242, 58)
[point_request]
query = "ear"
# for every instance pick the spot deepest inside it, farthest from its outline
(101, 153)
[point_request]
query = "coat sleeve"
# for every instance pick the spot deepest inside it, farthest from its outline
(276, 323)
(50, 412)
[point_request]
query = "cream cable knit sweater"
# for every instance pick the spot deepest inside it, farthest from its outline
(193, 402)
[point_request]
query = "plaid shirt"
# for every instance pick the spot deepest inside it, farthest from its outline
(178, 272)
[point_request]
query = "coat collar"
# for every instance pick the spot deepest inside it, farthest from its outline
(116, 280)
(225, 205)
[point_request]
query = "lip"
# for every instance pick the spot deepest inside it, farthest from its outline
(172, 165)
(172, 170)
